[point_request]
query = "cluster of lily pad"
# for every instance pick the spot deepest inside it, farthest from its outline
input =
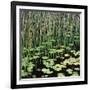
(43, 62)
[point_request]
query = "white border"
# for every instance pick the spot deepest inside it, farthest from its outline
(50, 80)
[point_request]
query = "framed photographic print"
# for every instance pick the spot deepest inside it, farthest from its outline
(48, 44)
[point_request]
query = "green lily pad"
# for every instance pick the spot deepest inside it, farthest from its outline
(48, 63)
(65, 62)
(70, 71)
(77, 69)
(77, 63)
(75, 74)
(57, 67)
(60, 75)
(47, 71)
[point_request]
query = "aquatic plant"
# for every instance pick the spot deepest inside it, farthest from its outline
(50, 44)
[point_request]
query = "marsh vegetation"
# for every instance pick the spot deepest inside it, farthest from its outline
(50, 44)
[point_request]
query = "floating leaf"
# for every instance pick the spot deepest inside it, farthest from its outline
(77, 69)
(48, 63)
(70, 71)
(47, 71)
(75, 74)
(60, 75)
(57, 67)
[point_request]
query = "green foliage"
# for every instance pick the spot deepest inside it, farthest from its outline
(50, 44)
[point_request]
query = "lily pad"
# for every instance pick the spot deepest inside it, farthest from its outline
(77, 69)
(47, 71)
(48, 63)
(70, 71)
(57, 67)
(60, 75)
(75, 74)
(77, 63)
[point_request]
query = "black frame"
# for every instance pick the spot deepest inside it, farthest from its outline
(13, 44)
